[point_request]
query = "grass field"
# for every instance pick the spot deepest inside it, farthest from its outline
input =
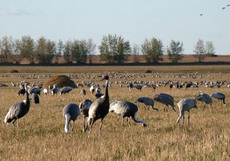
(40, 135)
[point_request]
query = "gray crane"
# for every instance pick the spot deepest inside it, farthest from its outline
(99, 108)
(65, 90)
(147, 101)
(203, 97)
(35, 98)
(219, 96)
(165, 99)
(54, 90)
(84, 108)
(83, 92)
(18, 110)
(186, 105)
(126, 109)
(70, 112)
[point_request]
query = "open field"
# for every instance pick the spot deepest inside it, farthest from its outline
(40, 135)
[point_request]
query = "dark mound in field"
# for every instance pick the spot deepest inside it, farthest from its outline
(61, 81)
(14, 71)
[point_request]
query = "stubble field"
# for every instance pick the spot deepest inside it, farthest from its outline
(40, 134)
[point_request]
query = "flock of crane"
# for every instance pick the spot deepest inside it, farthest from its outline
(99, 108)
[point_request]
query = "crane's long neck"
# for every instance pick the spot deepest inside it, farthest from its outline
(138, 121)
(27, 99)
(106, 89)
(67, 121)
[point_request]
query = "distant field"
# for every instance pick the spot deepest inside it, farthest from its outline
(97, 69)
(40, 135)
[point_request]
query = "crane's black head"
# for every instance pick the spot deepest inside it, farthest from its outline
(106, 77)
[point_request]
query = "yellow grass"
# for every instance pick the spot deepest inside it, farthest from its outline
(40, 135)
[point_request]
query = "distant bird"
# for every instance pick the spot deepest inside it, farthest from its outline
(201, 14)
(70, 112)
(3, 85)
(92, 89)
(35, 98)
(138, 87)
(223, 8)
(99, 108)
(46, 91)
(186, 105)
(22, 91)
(83, 92)
(219, 96)
(203, 97)
(65, 90)
(84, 108)
(18, 110)
(54, 90)
(33, 90)
(165, 99)
(126, 109)
(228, 5)
(98, 95)
(147, 101)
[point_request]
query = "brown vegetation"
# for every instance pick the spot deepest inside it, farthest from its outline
(40, 135)
(95, 59)
(60, 81)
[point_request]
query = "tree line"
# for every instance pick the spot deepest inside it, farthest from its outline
(113, 49)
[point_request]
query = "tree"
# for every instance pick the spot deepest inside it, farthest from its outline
(152, 50)
(91, 49)
(114, 49)
(79, 51)
(67, 52)
(26, 48)
(59, 49)
(41, 50)
(209, 48)
(200, 50)
(135, 53)
(7, 49)
(174, 51)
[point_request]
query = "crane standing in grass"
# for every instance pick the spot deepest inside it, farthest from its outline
(147, 101)
(165, 99)
(219, 96)
(84, 108)
(70, 112)
(126, 109)
(186, 105)
(99, 108)
(18, 110)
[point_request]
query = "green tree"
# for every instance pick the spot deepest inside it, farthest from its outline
(51, 51)
(114, 49)
(174, 51)
(41, 50)
(152, 50)
(199, 50)
(6, 48)
(26, 47)
(79, 51)
(60, 50)
(67, 52)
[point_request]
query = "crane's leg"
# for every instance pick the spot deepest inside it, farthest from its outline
(188, 118)
(154, 108)
(83, 123)
(224, 101)
(100, 126)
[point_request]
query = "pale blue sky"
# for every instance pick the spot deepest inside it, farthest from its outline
(135, 20)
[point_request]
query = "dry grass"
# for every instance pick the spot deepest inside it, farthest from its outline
(40, 135)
